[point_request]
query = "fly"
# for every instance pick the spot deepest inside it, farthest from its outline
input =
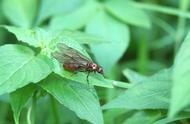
(74, 61)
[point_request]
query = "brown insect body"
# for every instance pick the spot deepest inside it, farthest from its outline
(70, 67)
(74, 61)
(92, 67)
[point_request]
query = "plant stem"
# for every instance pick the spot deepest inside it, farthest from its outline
(29, 121)
(31, 111)
(162, 9)
(143, 53)
(54, 109)
(183, 5)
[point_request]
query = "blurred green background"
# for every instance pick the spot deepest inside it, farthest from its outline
(134, 39)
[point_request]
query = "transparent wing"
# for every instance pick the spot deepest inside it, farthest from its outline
(69, 55)
(71, 52)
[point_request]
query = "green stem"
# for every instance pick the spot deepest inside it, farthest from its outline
(143, 53)
(29, 121)
(54, 109)
(183, 5)
(162, 9)
(31, 111)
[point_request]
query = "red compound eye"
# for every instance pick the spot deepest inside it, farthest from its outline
(94, 66)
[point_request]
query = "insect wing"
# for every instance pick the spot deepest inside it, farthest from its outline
(68, 55)
(70, 51)
(61, 57)
(73, 54)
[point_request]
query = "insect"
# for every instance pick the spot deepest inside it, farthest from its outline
(74, 61)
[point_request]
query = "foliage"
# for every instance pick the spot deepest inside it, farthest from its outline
(143, 47)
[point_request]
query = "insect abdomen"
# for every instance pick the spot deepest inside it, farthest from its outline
(71, 67)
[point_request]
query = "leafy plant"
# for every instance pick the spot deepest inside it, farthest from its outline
(143, 49)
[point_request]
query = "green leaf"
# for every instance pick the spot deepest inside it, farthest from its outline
(50, 8)
(117, 34)
(35, 37)
(82, 38)
(20, 12)
(75, 96)
(143, 117)
(133, 76)
(128, 13)
(94, 79)
(120, 83)
(47, 40)
(19, 98)
(63, 37)
(169, 120)
(181, 79)
(19, 67)
(151, 93)
(111, 115)
(76, 19)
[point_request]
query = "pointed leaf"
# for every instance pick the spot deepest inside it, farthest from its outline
(74, 96)
(151, 93)
(169, 120)
(19, 98)
(116, 34)
(143, 117)
(128, 13)
(50, 8)
(20, 12)
(96, 79)
(83, 38)
(39, 37)
(19, 67)
(133, 76)
(76, 19)
(112, 114)
(181, 79)
(35, 37)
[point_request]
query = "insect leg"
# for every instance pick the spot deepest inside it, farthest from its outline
(74, 73)
(87, 77)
